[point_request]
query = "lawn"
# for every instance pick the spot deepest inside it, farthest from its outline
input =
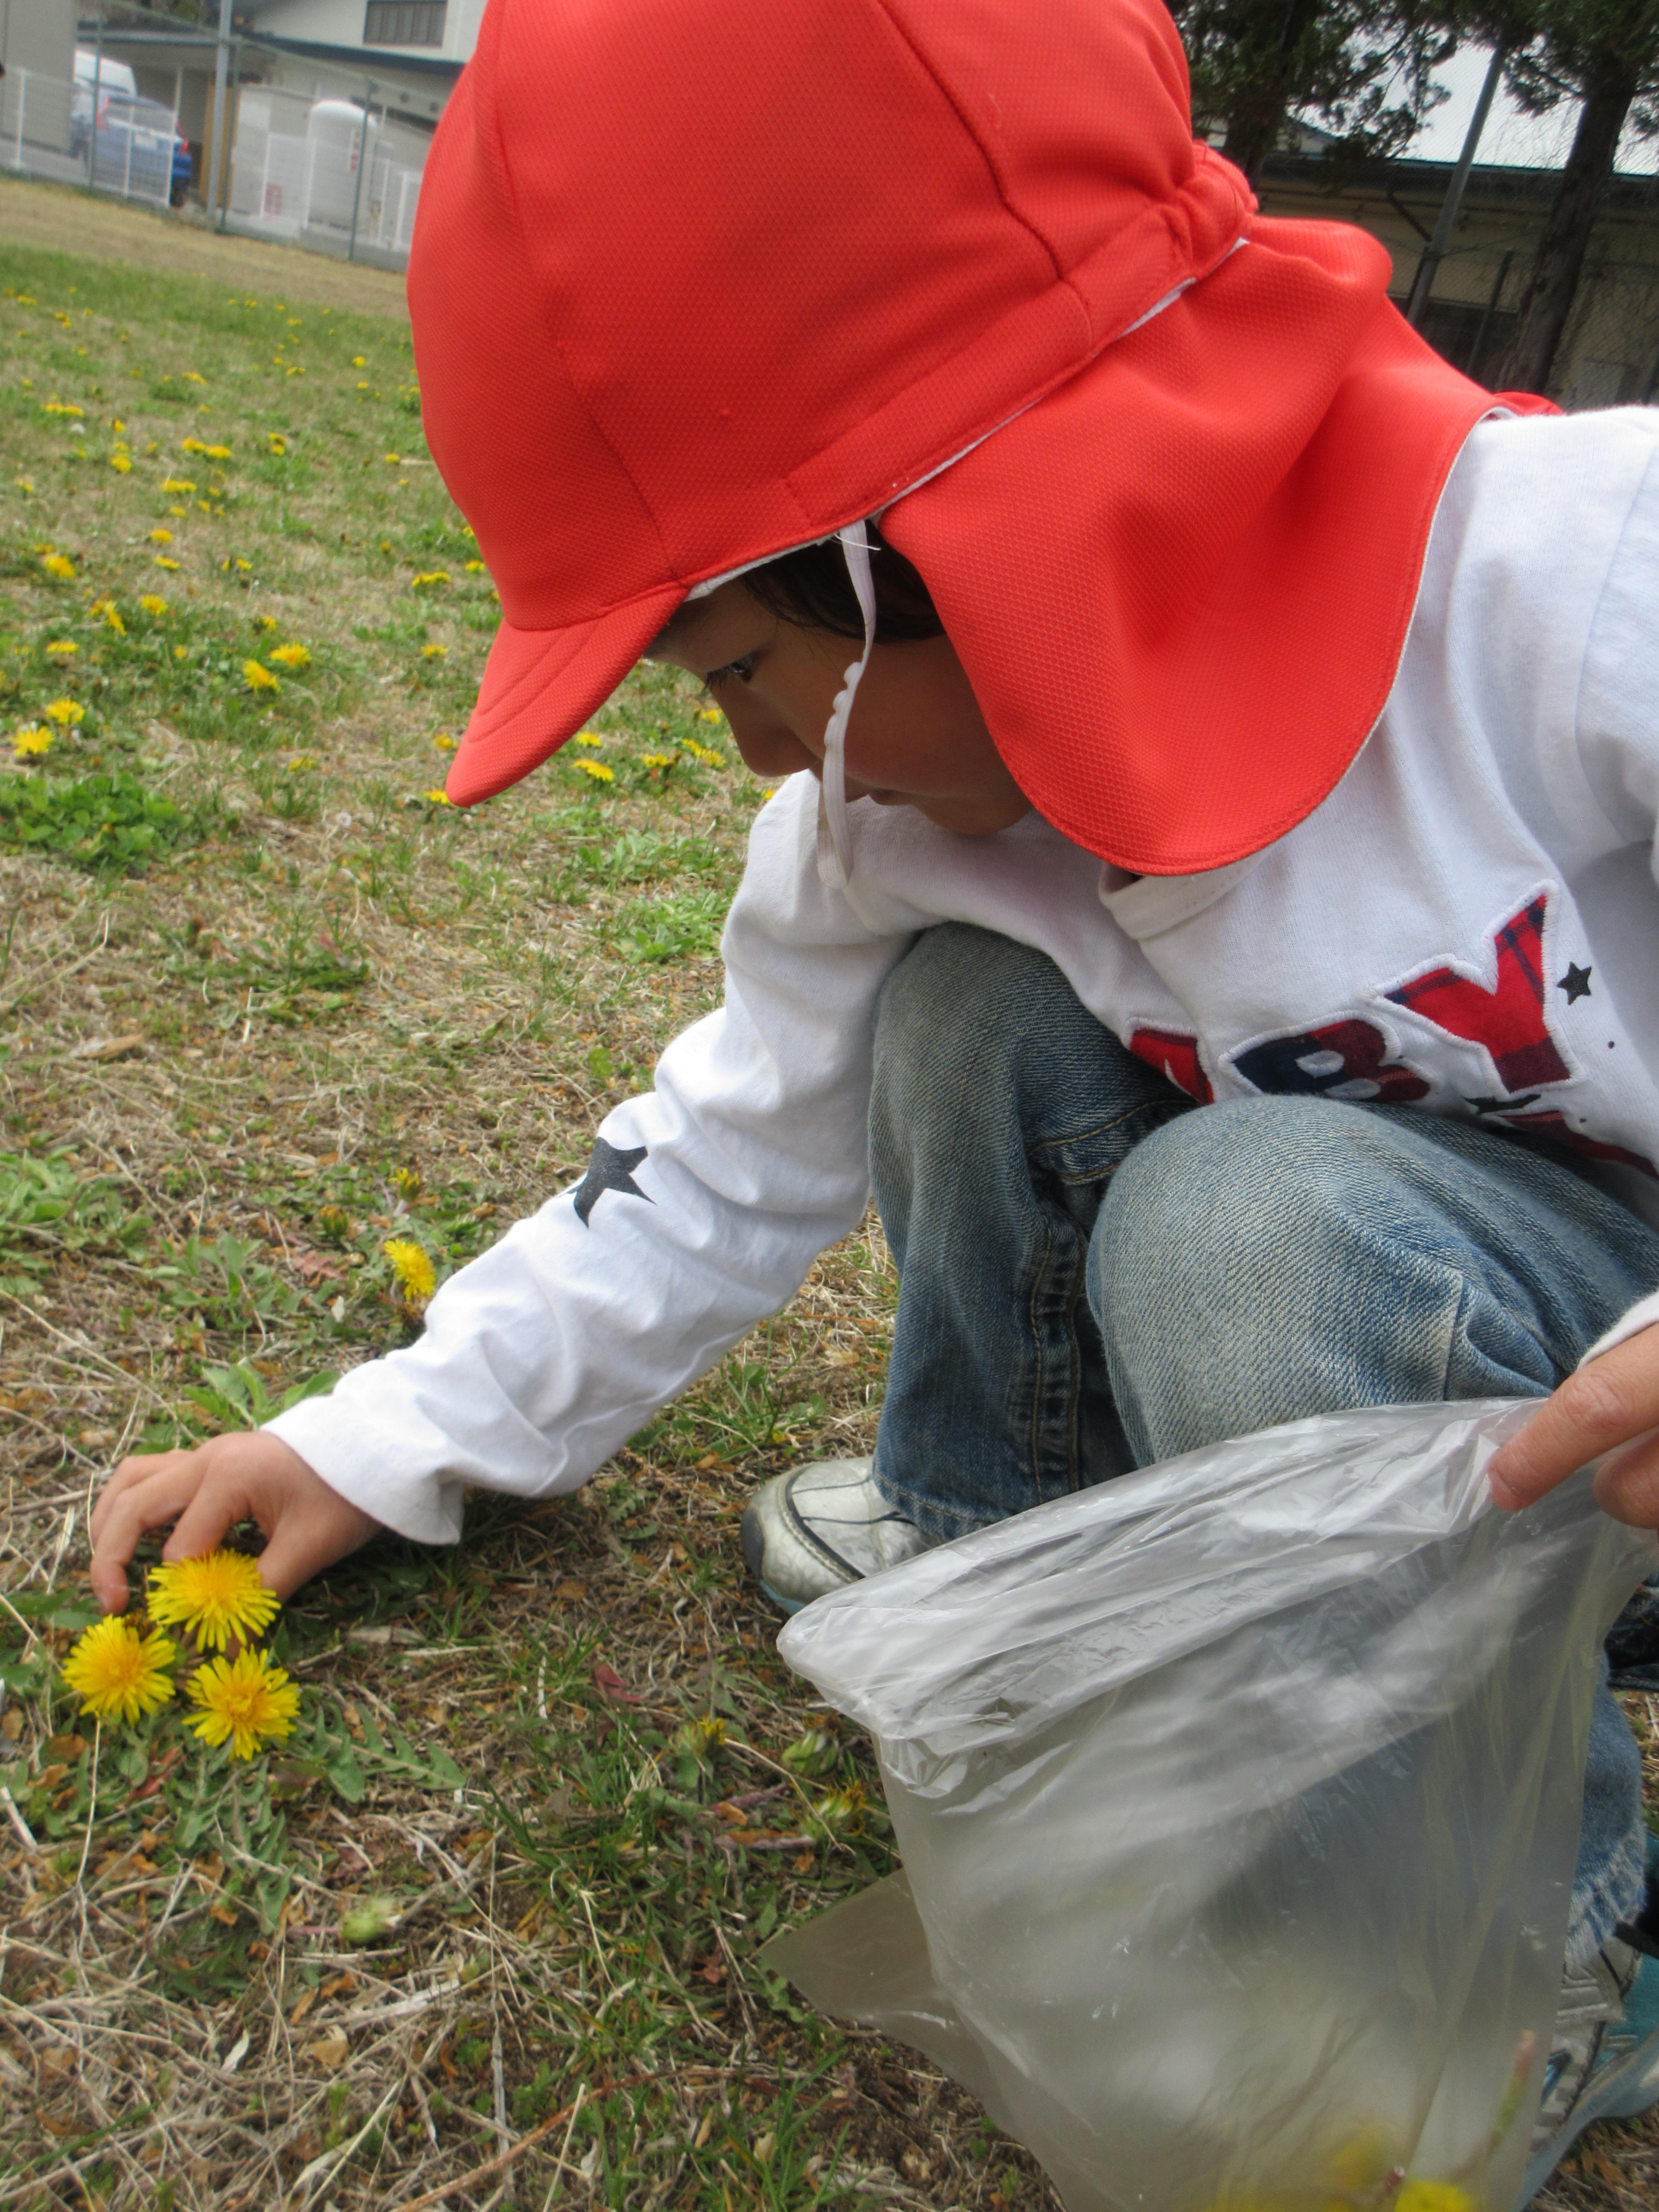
(268, 1004)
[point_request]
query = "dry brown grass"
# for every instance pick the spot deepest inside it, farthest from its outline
(336, 984)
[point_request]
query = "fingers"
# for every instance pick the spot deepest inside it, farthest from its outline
(1612, 1402)
(303, 1544)
(1627, 1483)
(204, 1492)
(142, 1495)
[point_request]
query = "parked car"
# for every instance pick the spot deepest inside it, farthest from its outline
(114, 79)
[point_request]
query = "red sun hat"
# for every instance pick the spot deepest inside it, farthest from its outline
(695, 282)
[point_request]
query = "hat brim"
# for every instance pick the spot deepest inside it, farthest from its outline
(541, 685)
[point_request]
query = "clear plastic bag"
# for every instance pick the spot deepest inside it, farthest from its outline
(1238, 1802)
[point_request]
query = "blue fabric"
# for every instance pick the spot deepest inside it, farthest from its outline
(1095, 1274)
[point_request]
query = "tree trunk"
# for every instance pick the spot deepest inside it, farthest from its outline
(1259, 105)
(1547, 299)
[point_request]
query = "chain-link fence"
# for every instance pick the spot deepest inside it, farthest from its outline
(308, 151)
(330, 172)
(74, 132)
(1609, 350)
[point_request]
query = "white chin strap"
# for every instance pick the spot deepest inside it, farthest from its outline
(834, 846)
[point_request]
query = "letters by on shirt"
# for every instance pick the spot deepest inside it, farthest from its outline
(1502, 1010)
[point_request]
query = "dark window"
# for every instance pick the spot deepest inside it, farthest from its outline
(404, 23)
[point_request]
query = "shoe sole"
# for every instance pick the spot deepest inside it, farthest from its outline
(1630, 2089)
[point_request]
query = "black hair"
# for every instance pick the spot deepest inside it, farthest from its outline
(810, 587)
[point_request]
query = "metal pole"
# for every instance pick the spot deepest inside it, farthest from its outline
(97, 79)
(22, 95)
(236, 88)
(1434, 252)
(362, 159)
(126, 174)
(221, 72)
(1489, 310)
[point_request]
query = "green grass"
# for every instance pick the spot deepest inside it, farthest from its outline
(265, 1004)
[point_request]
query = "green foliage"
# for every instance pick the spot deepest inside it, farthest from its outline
(686, 927)
(107, 825)
(49, 1205)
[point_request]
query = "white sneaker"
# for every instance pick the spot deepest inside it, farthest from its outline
(819, 1528)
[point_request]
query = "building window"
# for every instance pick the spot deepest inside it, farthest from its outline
(404, 23)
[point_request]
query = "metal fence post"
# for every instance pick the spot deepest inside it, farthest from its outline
(22, 96)
(1489, 310)
(217, 152)
(362, 163)
(97, 79)
(225, 181)
(1435, 252)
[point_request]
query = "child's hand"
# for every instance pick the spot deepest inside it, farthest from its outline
(1612, 1402)
(248, 1477)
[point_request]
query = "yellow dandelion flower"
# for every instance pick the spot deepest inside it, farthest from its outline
(292, 655)
(587, 738)
(358, 361)
(244, 567)
(245, 1701)
(63, 648)
(710, 715)
(217, 453)
(192, 445)
(475, 567)
(56, 564)
(406, 1181)
(393, 460)
(121, 463)
(302, 760)
(428, 576)
(161, 535)
(215, 1597)
(166, 561)
(152, 602)
(658, 760)
(598, 770)
(112, 614)
(116, 1667)
(65, 712)
(178, 513)
(412, 1271)
(177, 484)
(438, 798)
(192, 376)
(258, 678)
(434, 652)
(277, 446)
(266, 622)
(181, 652)
(444, 743)
(30, 740)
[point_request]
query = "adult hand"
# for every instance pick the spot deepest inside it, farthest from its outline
(250, 1476)
(1610, 1407)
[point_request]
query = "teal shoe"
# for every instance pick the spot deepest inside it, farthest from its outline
(1604, 2062)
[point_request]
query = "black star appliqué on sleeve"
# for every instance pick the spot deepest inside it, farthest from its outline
(608, 1170)
(1576, 982)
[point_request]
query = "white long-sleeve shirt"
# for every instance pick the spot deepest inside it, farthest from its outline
(1469, 924)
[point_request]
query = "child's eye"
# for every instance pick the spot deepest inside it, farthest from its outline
(734, 671)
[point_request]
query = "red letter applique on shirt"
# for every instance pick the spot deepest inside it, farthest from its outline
(1175, 1056)
(1508, 1019)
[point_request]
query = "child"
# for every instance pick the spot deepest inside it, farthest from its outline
(1217, 910)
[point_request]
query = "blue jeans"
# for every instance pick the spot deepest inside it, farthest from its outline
(1094, 1275)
